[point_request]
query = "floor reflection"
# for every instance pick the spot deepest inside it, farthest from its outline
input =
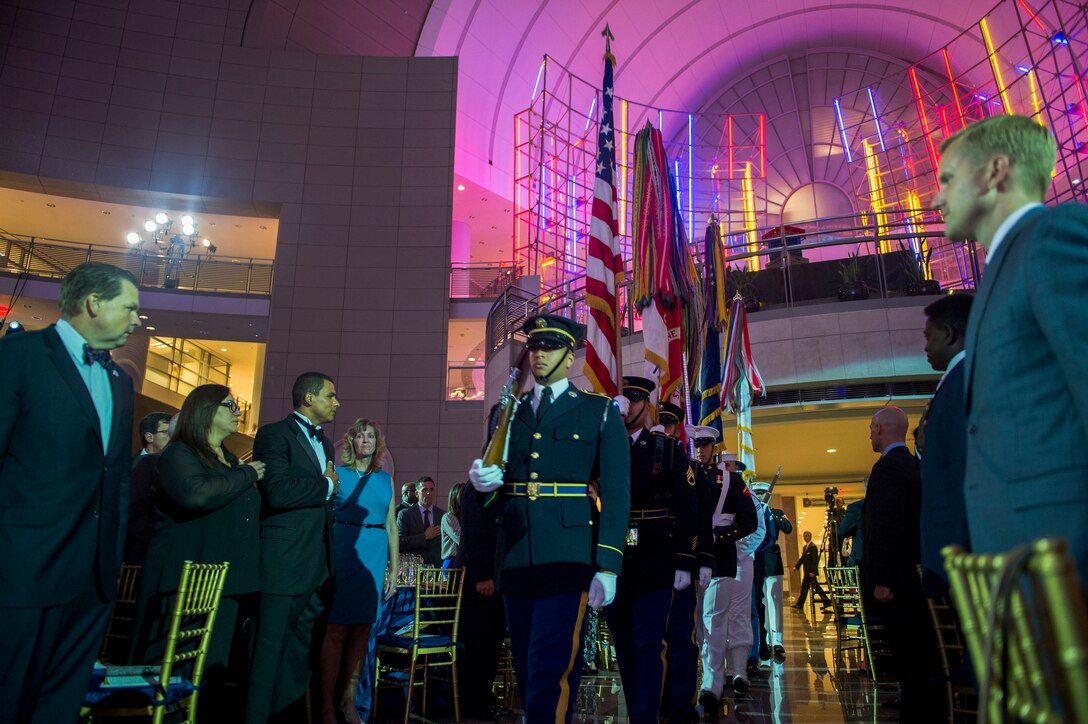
(809, 686)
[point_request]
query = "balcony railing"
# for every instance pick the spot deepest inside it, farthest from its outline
(54, 258)
(793, 270)
(482, 281)
(465, 380)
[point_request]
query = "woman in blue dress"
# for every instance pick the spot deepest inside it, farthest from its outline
(365, 541)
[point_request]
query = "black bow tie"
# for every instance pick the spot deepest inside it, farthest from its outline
(314, 431)
(92, 355)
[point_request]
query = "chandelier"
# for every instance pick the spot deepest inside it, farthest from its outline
(159, 232)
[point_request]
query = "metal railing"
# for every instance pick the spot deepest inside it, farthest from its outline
(887, 266)
(465, 380)
(54, 258)
(482, 281)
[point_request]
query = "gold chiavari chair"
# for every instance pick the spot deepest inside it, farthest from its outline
(191, 623)
(407, 658)
(853, 629)
(962, 698)
(119, 631)
(1024, 618)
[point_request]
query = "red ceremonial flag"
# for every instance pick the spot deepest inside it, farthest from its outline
(604, 263)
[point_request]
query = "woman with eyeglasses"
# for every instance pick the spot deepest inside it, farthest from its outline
(366, 542)
(206, 511)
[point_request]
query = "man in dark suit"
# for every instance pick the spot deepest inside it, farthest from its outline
(941, 441)
(296, 547)
(420, 525)
(63, 507)
(1027, 337)
(407, 497)
(889, 578)
(553, 561)
(659, 557)
(154, 434)
(809, 565)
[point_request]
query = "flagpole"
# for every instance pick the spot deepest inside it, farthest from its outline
(608, 38)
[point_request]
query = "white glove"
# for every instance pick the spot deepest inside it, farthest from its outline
(658, 428)
(681, 581)
(705, 574)
(602, 589)
(622, 403)
(485, 479)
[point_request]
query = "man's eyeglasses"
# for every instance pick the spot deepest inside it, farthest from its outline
(232, 406)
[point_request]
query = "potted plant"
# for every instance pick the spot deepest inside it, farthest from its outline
(853, 286)
(743, 283)
(916, 272)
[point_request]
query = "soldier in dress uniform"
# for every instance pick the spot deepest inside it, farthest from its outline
(682, 660)
(659, 555)
(551, 560)
(733, 518)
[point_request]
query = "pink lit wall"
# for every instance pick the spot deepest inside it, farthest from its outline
(159, 104)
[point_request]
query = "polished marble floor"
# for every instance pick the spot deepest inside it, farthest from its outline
(806, 687)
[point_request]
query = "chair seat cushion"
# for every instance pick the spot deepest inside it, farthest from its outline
(407, 642)
(137, 695)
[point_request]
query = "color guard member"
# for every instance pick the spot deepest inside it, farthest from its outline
(551, 561)
(659, 555)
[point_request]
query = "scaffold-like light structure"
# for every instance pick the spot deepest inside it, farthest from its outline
(1024, 57)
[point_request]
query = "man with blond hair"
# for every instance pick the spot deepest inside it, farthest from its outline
(1027, 337)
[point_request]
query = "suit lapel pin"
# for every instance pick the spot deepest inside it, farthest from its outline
(115, 373)
(571, 393)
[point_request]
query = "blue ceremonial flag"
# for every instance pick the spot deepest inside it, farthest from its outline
(708, 402)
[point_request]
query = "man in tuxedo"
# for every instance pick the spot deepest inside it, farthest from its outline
(296, 547)
(889, 578)
(941, 441)
(420, 525)
(1027, 337)
(64, 506)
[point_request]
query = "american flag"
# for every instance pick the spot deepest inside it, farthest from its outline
(604, 262)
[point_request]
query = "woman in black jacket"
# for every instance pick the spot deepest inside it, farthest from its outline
(206, 510)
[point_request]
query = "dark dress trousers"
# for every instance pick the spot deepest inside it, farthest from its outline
(412, 534)
(1024, 387)
(205, 512)
(483, 621)
(661, 540)
(63, 510)
(943, 514)
(296, 567)
(548, 547)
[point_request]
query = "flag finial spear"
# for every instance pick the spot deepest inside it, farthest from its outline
(608, 38)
